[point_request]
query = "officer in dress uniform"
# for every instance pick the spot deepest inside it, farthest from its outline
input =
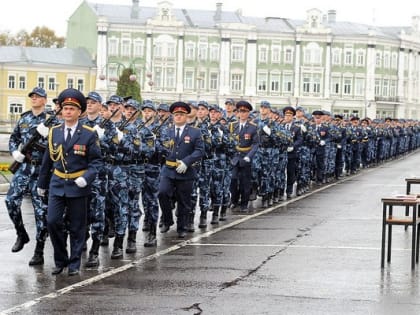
(185, 147)
(246, 135)
(73, 157)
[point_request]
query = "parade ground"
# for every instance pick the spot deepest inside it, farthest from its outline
(319, 253)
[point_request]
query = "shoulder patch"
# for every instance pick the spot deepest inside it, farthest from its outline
(88, 128)
(25, 113)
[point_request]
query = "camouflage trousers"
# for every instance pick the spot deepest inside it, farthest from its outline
(149, 193)
(25, 181)
(96, 210)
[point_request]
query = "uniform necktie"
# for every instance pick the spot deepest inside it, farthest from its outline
(68, 138)
(241, 128)
(288, 126)
(177, 134)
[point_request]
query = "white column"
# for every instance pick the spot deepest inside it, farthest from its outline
(102, 60)
(149, 64)
(296, 85)
(400, 83)
(224, 88)
(251, 68)
(370, 73)
(180, 65)
(410, 76)
(327, 72)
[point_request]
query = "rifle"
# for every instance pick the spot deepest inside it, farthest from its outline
(141, 126)
(127, 121)
(34, 139)
(157, 128)
(105, 121)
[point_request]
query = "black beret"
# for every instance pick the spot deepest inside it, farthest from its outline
(339, 116)
(180, 107)
(72, 97)
(244, 104)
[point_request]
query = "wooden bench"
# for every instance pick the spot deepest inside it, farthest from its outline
(388, 219)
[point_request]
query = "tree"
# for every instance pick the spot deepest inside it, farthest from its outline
(40, 37)
(45, 37)
(128, 85)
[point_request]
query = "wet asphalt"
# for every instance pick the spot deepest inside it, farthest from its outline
(314, 254)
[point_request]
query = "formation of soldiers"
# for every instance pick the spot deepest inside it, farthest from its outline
(274, 154)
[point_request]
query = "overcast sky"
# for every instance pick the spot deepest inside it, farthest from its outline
(27, 14)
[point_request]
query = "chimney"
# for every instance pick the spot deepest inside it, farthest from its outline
(218, 13)
(332, 15)
(135, 9)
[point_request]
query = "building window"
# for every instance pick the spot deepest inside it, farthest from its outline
(125, 48)
(15, 109)
(360, 59)
(359, 87)
(12, 82)
(287, 83)
(214, 52)
(214, 81)
(394, 61)
(80, 85)
(336, 60)
(189, 51)
(138, 48)
(22, 82)
(347, 87)
(201, 80)
(393, 88)
(70, 83)
(113, 47)
(377, 87)
(188, 80)
(378, 59)
(262, 82)
(275, 83)
(158, 50)
(262, 55)
(385, 84)
(275, 54)
(335, 86)
(41, 82)
(348, 58)
(237, 53)
(202, 52)
(158, 78)
(316, 83)
(51, 84)
(236, 82)
(170, 78)
(288, 56)
(171, 50)
(306, 85)
(387, 61)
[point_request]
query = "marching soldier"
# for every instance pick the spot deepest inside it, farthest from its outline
(185, 147)
(247, 139)
(26, 176)
(74, 157)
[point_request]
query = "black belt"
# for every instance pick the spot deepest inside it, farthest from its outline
(266, 146)
(118, 162)
(141, 161)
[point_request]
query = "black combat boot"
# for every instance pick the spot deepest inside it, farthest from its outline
(276, 196)
(117, 251)
(203, 220)
(131, 243)
(270, 199)
(151, 237)
(190, 223)
(215, 217)
(254, 192)
(223, 213)
(264, 201)
(93, 259)
(21, 240)
(146, 225)
(38, 257)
